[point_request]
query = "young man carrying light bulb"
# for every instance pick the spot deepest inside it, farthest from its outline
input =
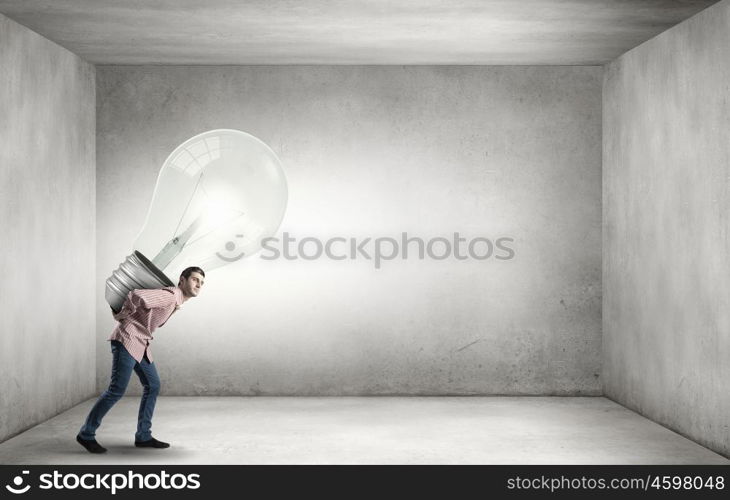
(142, 313)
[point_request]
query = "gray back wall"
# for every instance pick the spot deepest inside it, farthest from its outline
(47, 179)
(373, 152)
(666, 203)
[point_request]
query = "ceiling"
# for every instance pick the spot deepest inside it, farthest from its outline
(483, 32)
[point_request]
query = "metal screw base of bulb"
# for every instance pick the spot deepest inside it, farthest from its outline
(134, 273)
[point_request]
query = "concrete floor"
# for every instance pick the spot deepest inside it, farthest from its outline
(382, 430)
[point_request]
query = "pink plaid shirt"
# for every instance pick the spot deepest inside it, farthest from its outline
(142, 313)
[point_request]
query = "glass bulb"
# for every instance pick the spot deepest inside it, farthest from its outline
(218, 195)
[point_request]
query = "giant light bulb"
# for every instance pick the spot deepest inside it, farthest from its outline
(218, 195)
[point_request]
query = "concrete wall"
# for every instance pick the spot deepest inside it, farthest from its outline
(47, 179)
(376, 151)
(666, 305)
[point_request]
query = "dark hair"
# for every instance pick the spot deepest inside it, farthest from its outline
(190, 270)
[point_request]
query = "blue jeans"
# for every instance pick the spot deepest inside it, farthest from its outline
(122, 365)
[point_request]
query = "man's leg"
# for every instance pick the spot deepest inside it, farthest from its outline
(147, 373)
(122, 365)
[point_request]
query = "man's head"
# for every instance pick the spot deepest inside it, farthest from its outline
(191, 280)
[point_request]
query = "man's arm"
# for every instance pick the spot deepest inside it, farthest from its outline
(145, 299)
(155, 298)
(128, 308)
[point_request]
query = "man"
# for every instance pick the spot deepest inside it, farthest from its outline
(143, 312)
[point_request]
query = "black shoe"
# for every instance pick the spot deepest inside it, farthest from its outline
(91, 445)
(151, 443)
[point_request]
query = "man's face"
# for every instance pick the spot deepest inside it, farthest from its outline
(191, 286)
